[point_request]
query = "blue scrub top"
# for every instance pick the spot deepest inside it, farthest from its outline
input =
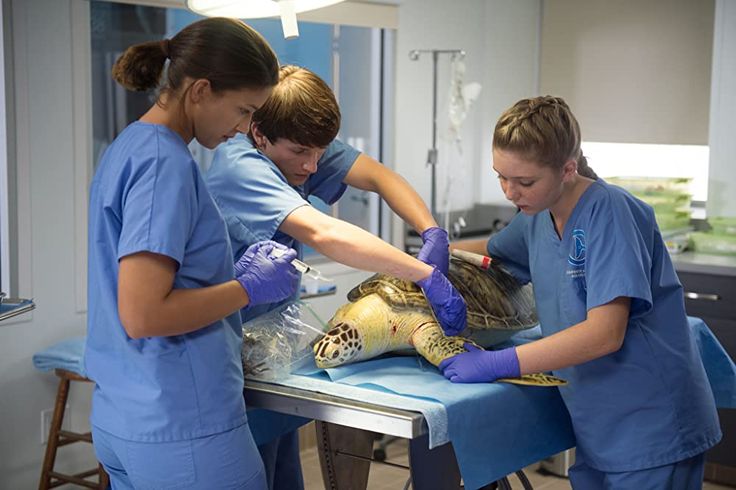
(255, 197)
(649, 403)
(148, 196)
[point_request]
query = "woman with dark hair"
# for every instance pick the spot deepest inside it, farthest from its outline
(164, 329)
(610, 306)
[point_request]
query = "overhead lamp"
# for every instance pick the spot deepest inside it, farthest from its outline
(257, 9)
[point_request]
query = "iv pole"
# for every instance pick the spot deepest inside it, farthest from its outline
(432, 153)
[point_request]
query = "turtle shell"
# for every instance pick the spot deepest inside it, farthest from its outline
(495, 300)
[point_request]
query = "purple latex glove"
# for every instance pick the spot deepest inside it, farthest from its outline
(481, 366)
(267, 279)
(447, 304)
(436, 248)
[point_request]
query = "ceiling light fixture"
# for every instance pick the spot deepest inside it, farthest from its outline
(257, 9)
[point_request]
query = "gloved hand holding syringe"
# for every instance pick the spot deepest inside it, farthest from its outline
(304, 268)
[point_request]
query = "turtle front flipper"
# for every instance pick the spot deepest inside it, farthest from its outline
(431, 343)
(536, 379)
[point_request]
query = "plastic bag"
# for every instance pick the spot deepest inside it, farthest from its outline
(279, 342)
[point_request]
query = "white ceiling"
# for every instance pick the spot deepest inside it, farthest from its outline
(388, 2)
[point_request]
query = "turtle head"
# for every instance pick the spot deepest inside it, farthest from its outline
(342, 344)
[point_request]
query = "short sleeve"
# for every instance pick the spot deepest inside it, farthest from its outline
(618, 254)
(159, 204)
(510, 247)
(327, 183)
(252, 194)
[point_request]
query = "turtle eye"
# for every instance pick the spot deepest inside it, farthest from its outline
(335, 354)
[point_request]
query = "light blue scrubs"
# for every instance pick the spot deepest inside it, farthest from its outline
(648, 404)
(255, 198)
(149, 196)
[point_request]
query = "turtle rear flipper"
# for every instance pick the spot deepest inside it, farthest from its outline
(536, 379)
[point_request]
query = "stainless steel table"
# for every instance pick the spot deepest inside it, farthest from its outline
(346, 430)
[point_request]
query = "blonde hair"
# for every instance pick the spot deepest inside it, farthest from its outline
(542, 129)
(301, 108)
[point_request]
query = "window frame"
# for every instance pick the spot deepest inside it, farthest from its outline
(17, 219)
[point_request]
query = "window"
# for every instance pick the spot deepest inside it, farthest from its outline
(644, 160)
(350, 59)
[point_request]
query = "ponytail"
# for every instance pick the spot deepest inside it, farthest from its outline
(140, 66)
(224, 51)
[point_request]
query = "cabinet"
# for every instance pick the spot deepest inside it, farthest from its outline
(710, 294)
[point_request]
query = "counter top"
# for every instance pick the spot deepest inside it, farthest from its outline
(10, 307)
(722, 265)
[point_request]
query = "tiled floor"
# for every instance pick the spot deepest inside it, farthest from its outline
(383, 477)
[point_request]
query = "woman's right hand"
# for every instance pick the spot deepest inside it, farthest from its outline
(266, 278)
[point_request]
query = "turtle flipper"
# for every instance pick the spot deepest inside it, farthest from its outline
(432, 344)
(536, 379)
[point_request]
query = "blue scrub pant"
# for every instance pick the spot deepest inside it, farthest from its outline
(683, 475)
(281, 460)
(228, 460)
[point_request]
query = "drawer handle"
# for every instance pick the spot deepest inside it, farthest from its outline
(703, 296)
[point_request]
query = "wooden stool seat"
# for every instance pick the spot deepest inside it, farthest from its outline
(58, 437)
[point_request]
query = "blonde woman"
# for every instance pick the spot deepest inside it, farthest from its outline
(610, 306)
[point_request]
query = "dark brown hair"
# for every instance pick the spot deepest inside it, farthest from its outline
(224, 51)
(542, 129)
(301, 108)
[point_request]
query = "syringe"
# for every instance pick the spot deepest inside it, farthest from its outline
(302, 267)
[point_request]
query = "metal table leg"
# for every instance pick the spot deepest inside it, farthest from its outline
(344, 454)
(433, 469)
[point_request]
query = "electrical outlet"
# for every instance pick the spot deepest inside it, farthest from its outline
(46, 417)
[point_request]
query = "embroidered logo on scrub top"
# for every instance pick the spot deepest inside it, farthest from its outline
(577, 254)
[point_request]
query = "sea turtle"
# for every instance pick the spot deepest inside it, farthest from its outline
(387, 314)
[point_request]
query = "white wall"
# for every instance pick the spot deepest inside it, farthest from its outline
(500, 38)
(511, 72)
(42, 39)
(632, 71)
(722, 170)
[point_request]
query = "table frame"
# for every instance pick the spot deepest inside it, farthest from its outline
(346, 430)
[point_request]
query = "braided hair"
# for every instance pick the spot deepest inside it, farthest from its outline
(542, 129)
